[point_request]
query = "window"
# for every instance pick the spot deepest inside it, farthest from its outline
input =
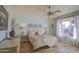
(66, 28)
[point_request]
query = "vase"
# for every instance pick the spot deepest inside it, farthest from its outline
(12, 33)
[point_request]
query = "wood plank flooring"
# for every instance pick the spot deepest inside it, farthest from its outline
(26, 47)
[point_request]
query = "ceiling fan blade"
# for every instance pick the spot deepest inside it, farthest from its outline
(57, 11)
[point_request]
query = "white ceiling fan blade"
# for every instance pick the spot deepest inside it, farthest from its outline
(57, 11)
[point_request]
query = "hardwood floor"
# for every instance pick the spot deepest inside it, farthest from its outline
(26, 47)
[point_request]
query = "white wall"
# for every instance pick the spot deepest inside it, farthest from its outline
(19, 20)
(52, 30)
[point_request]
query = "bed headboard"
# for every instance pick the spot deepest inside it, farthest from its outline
(35, 28)
(39, 28)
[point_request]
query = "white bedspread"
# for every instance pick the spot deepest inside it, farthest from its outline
(50, 40)
(40, 41)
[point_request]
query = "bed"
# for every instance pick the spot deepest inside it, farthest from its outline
(42, 40)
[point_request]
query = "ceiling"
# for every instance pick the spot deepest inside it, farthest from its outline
(38, 10)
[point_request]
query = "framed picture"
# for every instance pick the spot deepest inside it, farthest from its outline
(3, 18)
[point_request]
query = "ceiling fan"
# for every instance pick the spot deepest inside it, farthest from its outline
(50, 12)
